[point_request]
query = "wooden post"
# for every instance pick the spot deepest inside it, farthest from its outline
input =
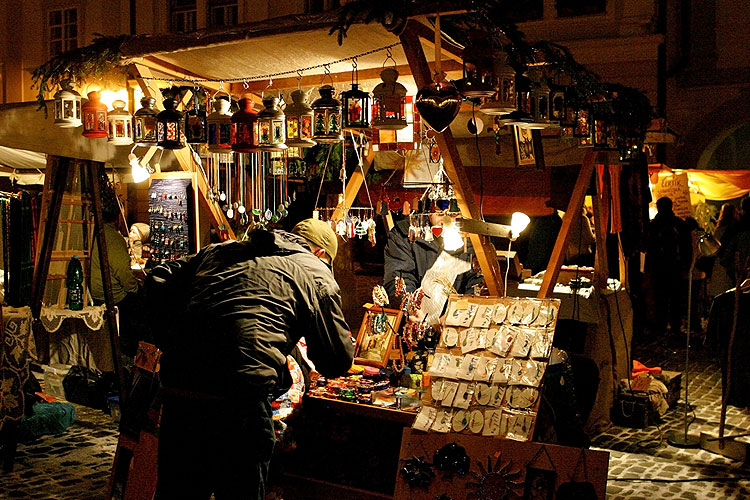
(601, 263)
(483, 248)
(353, 185)
(94, 168)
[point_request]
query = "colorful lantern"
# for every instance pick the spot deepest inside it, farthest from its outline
(405, 139)
(326, 116)
(388, 102)
(243, 127)
(270, 128)
(67, 106)
(170, 125)
(94, 116)
(144, 126)
(356, 108)
(299, 116)
(120, 125)
(196, 127)
(220, 126)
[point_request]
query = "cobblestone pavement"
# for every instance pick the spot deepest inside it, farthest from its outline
(76, 465)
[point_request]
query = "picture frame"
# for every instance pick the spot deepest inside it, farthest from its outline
(523, 146)
(375, 338)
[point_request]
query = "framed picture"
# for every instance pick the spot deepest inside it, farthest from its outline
(523, 143)
(376, 336)
(539, 484)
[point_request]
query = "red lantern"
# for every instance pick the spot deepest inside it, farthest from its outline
(243, 127)
(94, 116)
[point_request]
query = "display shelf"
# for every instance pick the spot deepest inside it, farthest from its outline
(398, 416)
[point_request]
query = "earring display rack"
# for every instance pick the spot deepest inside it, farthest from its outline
(172, 217)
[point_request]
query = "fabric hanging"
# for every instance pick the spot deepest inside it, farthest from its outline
(18, 256)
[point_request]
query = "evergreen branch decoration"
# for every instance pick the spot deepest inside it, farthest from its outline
(94, 61)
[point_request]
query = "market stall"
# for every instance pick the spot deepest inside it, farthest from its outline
(238, 171)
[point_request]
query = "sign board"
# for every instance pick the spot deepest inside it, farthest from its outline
(675, 187)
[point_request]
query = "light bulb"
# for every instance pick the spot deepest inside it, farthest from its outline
(452, 239)
(518, 223)
(139, 172)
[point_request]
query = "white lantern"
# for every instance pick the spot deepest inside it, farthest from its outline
(67, 106)
(119, 125)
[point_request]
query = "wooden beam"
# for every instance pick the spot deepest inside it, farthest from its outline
(427, 34)
(601, 262)
(574, 208)
(483, 248)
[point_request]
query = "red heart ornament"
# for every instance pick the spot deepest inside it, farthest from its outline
(437, 231)
(438, 105)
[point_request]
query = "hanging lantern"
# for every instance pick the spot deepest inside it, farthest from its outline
(604, 134)
(94, 116)
(521, 116)
(356, 106)
(504, 99)
(299, 116)
(388, 102)
(220, 126)
(558, 106)
(120, 125)
(144, 126)
(196, 128)
(271, 126)
(405, 139)
(540, 103)
(67, 106)
(169, 126)
(478, 67)
(326, 116)
(243, 127)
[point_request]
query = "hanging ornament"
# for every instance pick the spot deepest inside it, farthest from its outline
(67, 106)
(270, 128)
(196, 126)
(379, 296)
(144, 126)
(439, 102)
(220, 126)
(120, 125)
(170, 124)
(356, 104)
(243, 127)
(389, 99)
(94, 116)
(299, 119)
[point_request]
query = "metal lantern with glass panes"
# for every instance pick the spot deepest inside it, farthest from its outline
(220, 126)
(356, 104)
(270, 127)
(604, 134)
(326, 116)
(478, 67)
(196, 128)
(170, 125)
(558, 106)
(243, 127)
(504, 99)
(405, 139)
(539, 101)
(144, 123)
(521, 116)
(94, 116)
(299, 117)
(67, 106)
(388, 102)
(120, 125)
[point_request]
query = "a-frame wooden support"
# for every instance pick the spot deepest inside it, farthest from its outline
(483, 247)
(41, 270)
(588, 168)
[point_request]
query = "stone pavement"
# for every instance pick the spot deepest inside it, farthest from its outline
(76, 465)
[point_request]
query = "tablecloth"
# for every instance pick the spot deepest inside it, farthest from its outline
(16, 352)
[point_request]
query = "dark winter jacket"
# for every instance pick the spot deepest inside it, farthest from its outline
(669, 242)
(227, 317)
(412, 259)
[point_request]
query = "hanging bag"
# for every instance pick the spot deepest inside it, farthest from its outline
(577, 490)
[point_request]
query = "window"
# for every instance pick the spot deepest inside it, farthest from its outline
(63, 30)
(222, 13)
(184, 16)
(571, 8)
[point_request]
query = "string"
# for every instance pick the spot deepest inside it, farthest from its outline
(361, 168)
(438, 51)
(323, 176)
(244, 79)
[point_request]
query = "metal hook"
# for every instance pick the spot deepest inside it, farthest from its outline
(245, 84)
(389, 55)
(299, 79)
(170, 84)
(355, 72)
(327, 72)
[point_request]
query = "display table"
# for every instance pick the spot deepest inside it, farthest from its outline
(78, 337)
(344, 450)
(608, 314)
(16, 351)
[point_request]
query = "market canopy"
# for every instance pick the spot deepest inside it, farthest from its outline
(717, 185)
